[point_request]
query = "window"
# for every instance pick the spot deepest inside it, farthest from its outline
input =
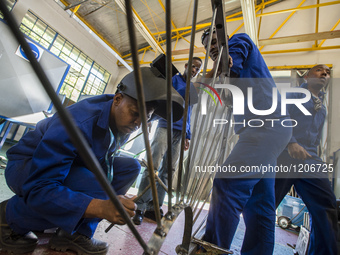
(10, 4)
(85, 77)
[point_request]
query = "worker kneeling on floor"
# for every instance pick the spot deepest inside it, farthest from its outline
(54, 188)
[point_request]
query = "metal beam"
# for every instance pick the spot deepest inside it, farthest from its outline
(284, 22)
(298, 8)
(295, 67)
(142, 28)
(301, 38)
(229, 19)
(336, 24)
(301, 50)
(74, 5)
(186, 51)
(317, 22)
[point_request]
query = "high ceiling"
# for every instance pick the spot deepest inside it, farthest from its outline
(107, 19)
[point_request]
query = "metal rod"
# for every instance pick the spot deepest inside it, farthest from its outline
(198, 138)
(218, 63)
(75, 134)
(141, 106)
(187, 93)
(199, 227)
(199, 212)
(204, 122)
(210, 162)
(202, 185)
(194, 144)
(207, 51)
(168, 108)
(193, 151)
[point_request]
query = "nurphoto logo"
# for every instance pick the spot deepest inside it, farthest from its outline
(239, 103)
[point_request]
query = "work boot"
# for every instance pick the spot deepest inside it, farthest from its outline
(138, 218)
(11, 241)
(152, 215)
(83, 245)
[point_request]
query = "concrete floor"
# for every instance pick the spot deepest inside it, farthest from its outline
(122, 241)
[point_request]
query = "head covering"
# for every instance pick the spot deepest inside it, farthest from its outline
(155, 89)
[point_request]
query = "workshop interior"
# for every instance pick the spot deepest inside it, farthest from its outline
(55, 54)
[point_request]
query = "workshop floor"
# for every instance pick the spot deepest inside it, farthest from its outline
(122, 241)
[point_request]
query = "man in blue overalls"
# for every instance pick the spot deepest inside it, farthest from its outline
(248, 192)
(311, 180)
(53, 186)
(159, 148)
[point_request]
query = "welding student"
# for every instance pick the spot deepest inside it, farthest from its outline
(311, 180)
(159, 148)
(252, 193)
(53, 186)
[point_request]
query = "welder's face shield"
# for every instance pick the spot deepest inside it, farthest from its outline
(155, 89)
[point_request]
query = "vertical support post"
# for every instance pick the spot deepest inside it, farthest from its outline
(141, 106)
(187, 93)
(194, 143)
(169, 110)
(317, 22)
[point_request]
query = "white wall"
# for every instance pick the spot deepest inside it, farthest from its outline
(50, 12)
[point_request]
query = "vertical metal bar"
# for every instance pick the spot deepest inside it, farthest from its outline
(169, 110)
(317, 22)
(203, 183)
(207, 51)
(218, 63)
(187, 92)
(203, 158)
(195, 143)
(222, 35)
(260, 21)
(141, 106)
(196, 181)
(75, 134)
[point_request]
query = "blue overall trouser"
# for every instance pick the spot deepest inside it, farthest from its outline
(316, 192)
(22, 218)
(249, 193)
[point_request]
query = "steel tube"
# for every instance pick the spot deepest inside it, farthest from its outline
(141, 105)
(187, 92)
(169, 105)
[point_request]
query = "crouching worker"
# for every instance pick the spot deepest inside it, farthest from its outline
(52, 185)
